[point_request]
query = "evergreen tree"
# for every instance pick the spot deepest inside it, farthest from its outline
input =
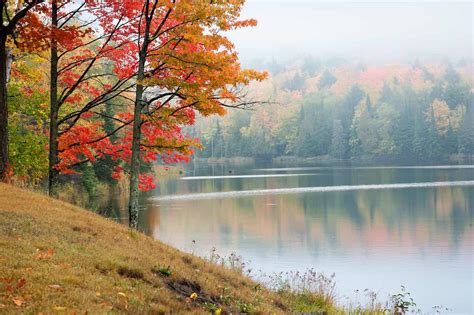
(466, 133)
(296, 83)
(311, 66)
(327, 80)
(338, 145)
(450, 141)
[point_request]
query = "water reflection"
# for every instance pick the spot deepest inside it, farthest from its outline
(421, 237)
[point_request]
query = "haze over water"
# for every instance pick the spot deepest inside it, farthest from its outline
(413, 226)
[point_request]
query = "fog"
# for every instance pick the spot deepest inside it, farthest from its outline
(362, 30)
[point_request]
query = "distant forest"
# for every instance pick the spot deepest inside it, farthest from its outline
(351, 111)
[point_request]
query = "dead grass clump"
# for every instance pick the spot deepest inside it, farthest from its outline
(130, 273)
(187, 260)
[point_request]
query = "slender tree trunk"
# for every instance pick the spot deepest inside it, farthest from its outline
(54, 109)
(133, 206)
(4, 162)
(135, 162)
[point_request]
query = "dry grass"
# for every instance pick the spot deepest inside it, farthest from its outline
(55, 257)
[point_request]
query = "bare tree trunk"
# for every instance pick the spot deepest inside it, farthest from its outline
(133, 205)
(4, 162)
(54, 109)
(136, 138)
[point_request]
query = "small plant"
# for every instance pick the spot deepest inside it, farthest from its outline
(402, 302)
(211, 307)
(309, 281)
(306, 292)
(162, 271)
(233, 261)
(245, 307)
(440, 309)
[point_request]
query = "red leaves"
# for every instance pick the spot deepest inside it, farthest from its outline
(82, 142)
(146, 182)
(12, 285)
(187, 53)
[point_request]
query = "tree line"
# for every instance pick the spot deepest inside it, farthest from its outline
(105, 87)
(410, 112)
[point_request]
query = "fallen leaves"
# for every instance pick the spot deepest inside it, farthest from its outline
(192, 297)
(21, 283)
(46, 254)
(12, 288)
(124, 299)
(10, 285)
(18, 300)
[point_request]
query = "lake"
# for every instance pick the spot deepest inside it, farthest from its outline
(374, 227)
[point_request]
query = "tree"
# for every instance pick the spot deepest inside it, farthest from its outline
(314, 132)
(79, 35)
(9, 20)
(346, 115)
(466, 133)
(183, 55)
(28, 119)
(327, 80)
(296, 83)
(76, 75)
(337, 141)
(364, 135)
(311, 65)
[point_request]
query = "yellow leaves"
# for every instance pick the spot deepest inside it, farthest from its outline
(58, 308)
(218, 311)
(444, 117)
(192, 297)
(121, 294)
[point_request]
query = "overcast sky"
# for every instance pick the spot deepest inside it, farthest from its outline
(354, 29)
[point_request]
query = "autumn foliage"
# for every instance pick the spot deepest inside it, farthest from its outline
(191, 67)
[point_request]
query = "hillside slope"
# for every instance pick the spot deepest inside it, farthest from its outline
(58, 257)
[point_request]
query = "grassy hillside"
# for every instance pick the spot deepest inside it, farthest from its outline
(55, 257)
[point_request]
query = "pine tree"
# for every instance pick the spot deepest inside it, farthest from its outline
(338, 146)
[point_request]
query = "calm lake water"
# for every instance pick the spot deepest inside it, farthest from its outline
(374, 227)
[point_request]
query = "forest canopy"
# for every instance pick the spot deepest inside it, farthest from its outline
(342, 110)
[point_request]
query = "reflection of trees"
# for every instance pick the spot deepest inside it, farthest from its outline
(405, 218)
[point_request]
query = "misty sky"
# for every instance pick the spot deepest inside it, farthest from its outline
(379, 30)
